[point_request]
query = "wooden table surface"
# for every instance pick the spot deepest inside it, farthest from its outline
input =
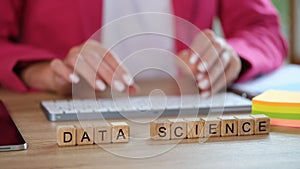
(280, 149)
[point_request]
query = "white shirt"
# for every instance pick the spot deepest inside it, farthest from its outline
(134, 35)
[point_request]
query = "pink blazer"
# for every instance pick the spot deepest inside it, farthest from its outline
(39, 30)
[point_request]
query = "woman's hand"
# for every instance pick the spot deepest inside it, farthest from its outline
(212, 61)
(40, 75)
(91, 61)
(97, 66)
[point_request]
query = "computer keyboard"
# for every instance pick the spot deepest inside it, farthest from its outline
(143, 106)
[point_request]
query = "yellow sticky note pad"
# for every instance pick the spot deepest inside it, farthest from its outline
(281, 106)
(278, 98)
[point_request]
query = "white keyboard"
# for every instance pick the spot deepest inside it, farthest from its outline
(143, 106)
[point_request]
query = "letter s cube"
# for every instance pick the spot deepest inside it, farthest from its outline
(160, 130)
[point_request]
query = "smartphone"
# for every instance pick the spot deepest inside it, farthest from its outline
(10, 137)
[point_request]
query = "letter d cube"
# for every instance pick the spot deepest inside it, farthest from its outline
(66, 135)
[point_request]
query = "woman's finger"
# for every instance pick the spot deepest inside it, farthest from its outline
(198, 48)
(234, 67)
(193, 57)
(84, 69)
(61, 85)
(103, 69)
(214, 72)
(184, 63)
(62, 70)
(211, 55)
(111, 59)
(230, 74)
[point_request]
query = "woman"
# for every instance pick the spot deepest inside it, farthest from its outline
(40, 42)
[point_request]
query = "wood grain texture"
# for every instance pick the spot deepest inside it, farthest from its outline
(280, 149)
(120, 132)
(229, 126)
(245, 125)
(195, 127)
(84, 135)
(160, 130)
(102, 134)
(212, 127)
(178, 128)
(262, 124)
(66, 135)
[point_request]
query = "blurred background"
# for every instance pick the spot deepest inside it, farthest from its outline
(284, 9)
(290, 20)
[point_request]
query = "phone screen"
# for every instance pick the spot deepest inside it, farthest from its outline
(10, 137)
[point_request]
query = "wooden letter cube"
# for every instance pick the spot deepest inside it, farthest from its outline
(195, 127)
(102, 134)
(245, 125)
(120, 132)
(229, 126)
(85, 135)
(262, 124)
(66, 135)
(212, 127)
(160, 130)
(178, 128)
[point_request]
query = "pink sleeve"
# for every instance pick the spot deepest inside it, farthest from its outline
(12, 52)
(252, 28)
